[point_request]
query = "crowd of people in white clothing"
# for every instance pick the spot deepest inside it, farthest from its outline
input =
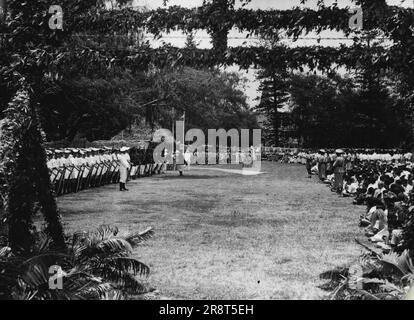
(73, 169)
(381, 180)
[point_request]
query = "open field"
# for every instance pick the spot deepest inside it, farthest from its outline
(221, 235)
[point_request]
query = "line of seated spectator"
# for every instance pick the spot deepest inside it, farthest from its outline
(383, 182)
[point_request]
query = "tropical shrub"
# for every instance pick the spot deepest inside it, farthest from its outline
(374, 276)
(95, 265)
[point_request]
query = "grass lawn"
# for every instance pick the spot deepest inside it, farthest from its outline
(220, 235)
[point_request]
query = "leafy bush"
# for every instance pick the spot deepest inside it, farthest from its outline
(373, 277)
(95, 265)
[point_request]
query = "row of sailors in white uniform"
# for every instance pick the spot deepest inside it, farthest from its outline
(75, 161)
(72, 165)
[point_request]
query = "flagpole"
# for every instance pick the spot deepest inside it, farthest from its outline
(184, 126)
(173, 124)
(173, 139)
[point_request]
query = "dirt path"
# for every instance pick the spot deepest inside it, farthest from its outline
(221, 235)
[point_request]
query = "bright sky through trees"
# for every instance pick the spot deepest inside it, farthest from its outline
(238, 39)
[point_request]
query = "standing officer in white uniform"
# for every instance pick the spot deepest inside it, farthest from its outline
(124, 166)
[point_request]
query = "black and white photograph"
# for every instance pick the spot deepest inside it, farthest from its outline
(227, 152)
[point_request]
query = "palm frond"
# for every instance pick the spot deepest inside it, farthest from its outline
(96, 291)
(390, 287)
(335, 275)
(113, 295)
(121, 280)
(369, 263)
(114, 245)
(80, 251)
(137, 238)
(372, 281)
(47, 259)
(410, 264)
(130, 284)
(127, 265)
(401, 262)
(36, 276)
(76, 238)
(47, 294)
(97, 264)
(79, 285)
(35, 270)
(367, 295)
(5, 252)
(106, 232)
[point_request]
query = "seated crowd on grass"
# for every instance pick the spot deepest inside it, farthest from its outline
(382, 180)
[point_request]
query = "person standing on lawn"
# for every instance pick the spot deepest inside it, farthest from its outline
(124, 166)
(309, 164)
(164, 153)
(322, 160)
(182, 161)
(339, 170)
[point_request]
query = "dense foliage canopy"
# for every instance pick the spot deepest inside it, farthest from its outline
(336, 112)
